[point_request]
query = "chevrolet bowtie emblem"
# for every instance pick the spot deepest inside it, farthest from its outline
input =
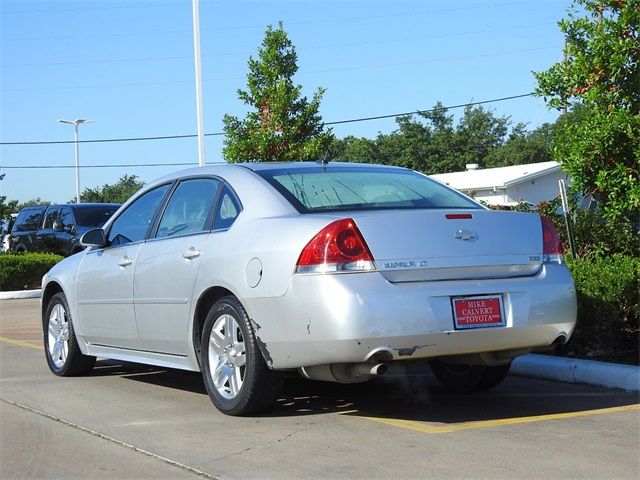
(465, 235)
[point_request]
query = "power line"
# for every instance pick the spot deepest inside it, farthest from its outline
(418, 112)
(302, 72)
(303, 48)
(105, 7)
(118, 165)
(337, 122)
(248, 27)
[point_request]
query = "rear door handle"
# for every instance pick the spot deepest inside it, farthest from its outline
(191, 253)
(125, 262)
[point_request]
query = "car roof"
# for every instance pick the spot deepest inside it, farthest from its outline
(262, 166)
(72, 205)
(88, 205)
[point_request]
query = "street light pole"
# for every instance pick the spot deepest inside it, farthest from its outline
(75, 123)
(198, 66)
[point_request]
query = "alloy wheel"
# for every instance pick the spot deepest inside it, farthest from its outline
(227, 356)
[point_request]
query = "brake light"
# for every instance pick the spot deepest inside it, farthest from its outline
(551, 244)
(338, 247)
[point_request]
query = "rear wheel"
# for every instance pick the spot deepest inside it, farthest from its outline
(60, 344)
(468, 378)
(237, 378)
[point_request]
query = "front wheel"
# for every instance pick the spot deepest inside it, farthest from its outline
(237, 378)
(468, 378)
(60, 344)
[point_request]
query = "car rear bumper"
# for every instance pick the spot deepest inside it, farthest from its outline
(348, 318)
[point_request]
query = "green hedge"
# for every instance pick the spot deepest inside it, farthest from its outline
(24, 271)
(608, 308)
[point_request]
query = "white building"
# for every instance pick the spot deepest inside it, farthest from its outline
(532, 183)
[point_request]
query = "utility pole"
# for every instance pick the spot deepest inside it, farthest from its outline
(75, 123)
(198, 65)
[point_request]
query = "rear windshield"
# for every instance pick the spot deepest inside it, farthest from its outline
(94, 216)
(344, 188)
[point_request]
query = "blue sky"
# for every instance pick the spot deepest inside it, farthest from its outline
(129, 66)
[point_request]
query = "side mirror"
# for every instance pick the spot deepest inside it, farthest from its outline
(58, 226)
(94, 238)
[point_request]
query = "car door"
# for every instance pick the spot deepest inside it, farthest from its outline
(67, 238)
(45, 236)
(104, 285)
(168, 264)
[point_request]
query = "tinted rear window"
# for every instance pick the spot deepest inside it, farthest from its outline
(94, 216)
(343, 188)
(28, 220)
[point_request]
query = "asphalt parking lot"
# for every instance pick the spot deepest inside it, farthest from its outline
(135, 421)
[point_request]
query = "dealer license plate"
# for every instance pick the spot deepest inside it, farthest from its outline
(478, 312)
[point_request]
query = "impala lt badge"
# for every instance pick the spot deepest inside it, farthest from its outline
(465, 235)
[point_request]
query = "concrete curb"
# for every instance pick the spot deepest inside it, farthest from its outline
(21, 294)
(570, 370)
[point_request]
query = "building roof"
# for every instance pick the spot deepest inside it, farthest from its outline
(501, 177)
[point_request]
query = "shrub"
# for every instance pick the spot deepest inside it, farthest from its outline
(608, 308)
(24, 270)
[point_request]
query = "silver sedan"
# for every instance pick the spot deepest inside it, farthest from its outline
(334, 270)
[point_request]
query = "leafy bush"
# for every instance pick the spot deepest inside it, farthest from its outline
(608, 308)
(24, 270)
(593, 233)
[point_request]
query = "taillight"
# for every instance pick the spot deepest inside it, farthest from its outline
(338, 247)
(551, 244)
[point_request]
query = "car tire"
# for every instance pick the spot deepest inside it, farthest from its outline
(60, 344)
(464, 378)
(20, 248)
(493, 376)
(236, 376)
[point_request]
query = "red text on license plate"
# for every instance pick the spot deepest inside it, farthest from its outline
(476, 312)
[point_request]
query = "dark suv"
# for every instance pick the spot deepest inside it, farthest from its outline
(57, 228)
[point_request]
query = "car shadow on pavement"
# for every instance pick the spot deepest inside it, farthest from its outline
(164, 377)
(405, 394)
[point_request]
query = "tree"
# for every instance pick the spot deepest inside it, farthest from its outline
(430, 142)
(479, 132)
(119, 192)
(523, 147)
(281, 125)
(599, 79)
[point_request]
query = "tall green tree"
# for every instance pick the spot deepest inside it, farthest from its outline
(523, 146)
(600, 79)
(118, 192)
(281, 125)
(431, 143)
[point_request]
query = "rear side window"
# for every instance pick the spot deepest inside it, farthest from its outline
(28, 220)
(94, 216)
(189, 207)
(51, 216)
(344, 188)
(227, 211)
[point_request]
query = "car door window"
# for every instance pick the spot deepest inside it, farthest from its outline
(189, 207)
(52, 216)
(66, 218)
(227, 211)
(133, 223)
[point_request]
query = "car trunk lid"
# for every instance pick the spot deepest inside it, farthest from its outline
(424, 245)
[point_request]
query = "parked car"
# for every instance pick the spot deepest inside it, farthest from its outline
(57, 228)
(335, 270)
